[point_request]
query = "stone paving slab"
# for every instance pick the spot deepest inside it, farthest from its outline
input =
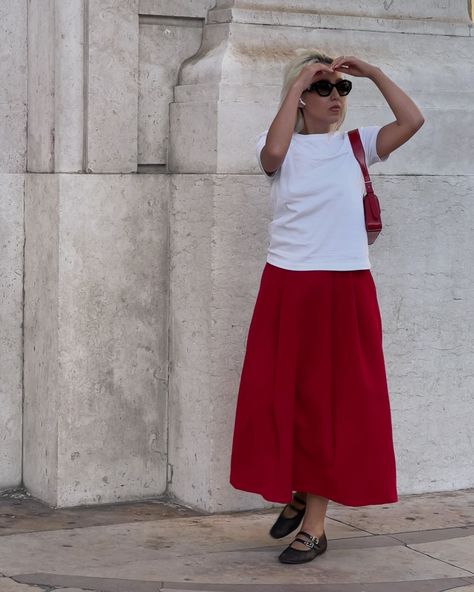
(458, 552)
(69, 590)
(438, 534)
(24, 513)
(69, 582)
(123, 544)
(8, 585)
(413, 586)
(251, 567)
(116, 585)
(233, 552)
(411, 513)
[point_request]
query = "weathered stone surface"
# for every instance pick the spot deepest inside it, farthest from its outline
(112, 93)
(70, 84)
(178, 8)
(164, 45)
(425, 288)
(95, 349)
(41, 86)
(219, 110)
(13, 118)
(206, 552)
(13, 87)
(11, 339)
(9, 585)
(455, 10)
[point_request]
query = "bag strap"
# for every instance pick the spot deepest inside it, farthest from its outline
(359, 153)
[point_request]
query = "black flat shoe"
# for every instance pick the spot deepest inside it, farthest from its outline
(284, 525)
(316, 546)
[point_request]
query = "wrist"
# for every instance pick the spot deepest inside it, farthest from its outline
(374, 73)
(297, 89)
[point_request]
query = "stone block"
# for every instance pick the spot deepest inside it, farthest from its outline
(96, 338)
(216, 118)
(218, 250)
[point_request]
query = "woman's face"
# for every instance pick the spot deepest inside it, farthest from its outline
(324, 110)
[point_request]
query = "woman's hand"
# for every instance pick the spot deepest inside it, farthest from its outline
(310, 73)
(353, 66)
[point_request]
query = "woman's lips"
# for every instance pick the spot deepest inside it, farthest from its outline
(335, 108)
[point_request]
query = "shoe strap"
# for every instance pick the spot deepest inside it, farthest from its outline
(295, 508)
(299, 499)
(311, 543)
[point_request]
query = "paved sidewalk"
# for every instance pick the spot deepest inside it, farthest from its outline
(423, 543)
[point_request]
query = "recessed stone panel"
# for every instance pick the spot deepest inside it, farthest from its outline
(164, 44)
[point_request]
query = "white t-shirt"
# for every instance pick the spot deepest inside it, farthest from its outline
(317, 202)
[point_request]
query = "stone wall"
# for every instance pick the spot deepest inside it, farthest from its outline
(145, 227)
(226, 95)
(101, 75)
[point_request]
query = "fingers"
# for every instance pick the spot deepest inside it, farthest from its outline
(323, 67)
(341, 61)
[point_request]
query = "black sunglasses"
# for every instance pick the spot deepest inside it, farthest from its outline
(324, 87)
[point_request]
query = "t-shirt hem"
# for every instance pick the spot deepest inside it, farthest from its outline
(323, 264)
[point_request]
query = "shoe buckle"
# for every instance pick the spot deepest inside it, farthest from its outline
(313, 542)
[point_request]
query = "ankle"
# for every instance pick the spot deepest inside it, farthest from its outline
(316, 530)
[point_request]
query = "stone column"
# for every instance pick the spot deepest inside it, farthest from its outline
(12, 180)
(96, 264)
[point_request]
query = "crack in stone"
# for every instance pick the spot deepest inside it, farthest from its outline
(438, 559)
(66, 584)
(39, 586)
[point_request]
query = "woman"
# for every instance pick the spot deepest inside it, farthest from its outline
(313, 413)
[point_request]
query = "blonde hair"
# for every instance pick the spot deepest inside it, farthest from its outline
(291, 72)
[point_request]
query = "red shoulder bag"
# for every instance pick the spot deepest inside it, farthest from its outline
(373, 220)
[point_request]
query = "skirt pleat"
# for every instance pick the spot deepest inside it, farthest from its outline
(313, 411)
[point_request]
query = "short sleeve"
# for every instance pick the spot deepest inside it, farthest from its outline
(259, 146)
(368, 136)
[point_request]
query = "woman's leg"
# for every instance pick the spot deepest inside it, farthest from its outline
(313, 521)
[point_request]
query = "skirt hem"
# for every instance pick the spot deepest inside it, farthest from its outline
(334, 498)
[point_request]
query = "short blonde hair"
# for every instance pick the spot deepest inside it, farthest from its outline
(291, 72)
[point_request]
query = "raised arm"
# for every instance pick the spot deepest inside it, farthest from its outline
(280, 131)
(409, 118)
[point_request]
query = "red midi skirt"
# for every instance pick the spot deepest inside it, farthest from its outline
(313, 410)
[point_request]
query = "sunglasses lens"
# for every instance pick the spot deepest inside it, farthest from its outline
(323, 88)
(344, 87)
